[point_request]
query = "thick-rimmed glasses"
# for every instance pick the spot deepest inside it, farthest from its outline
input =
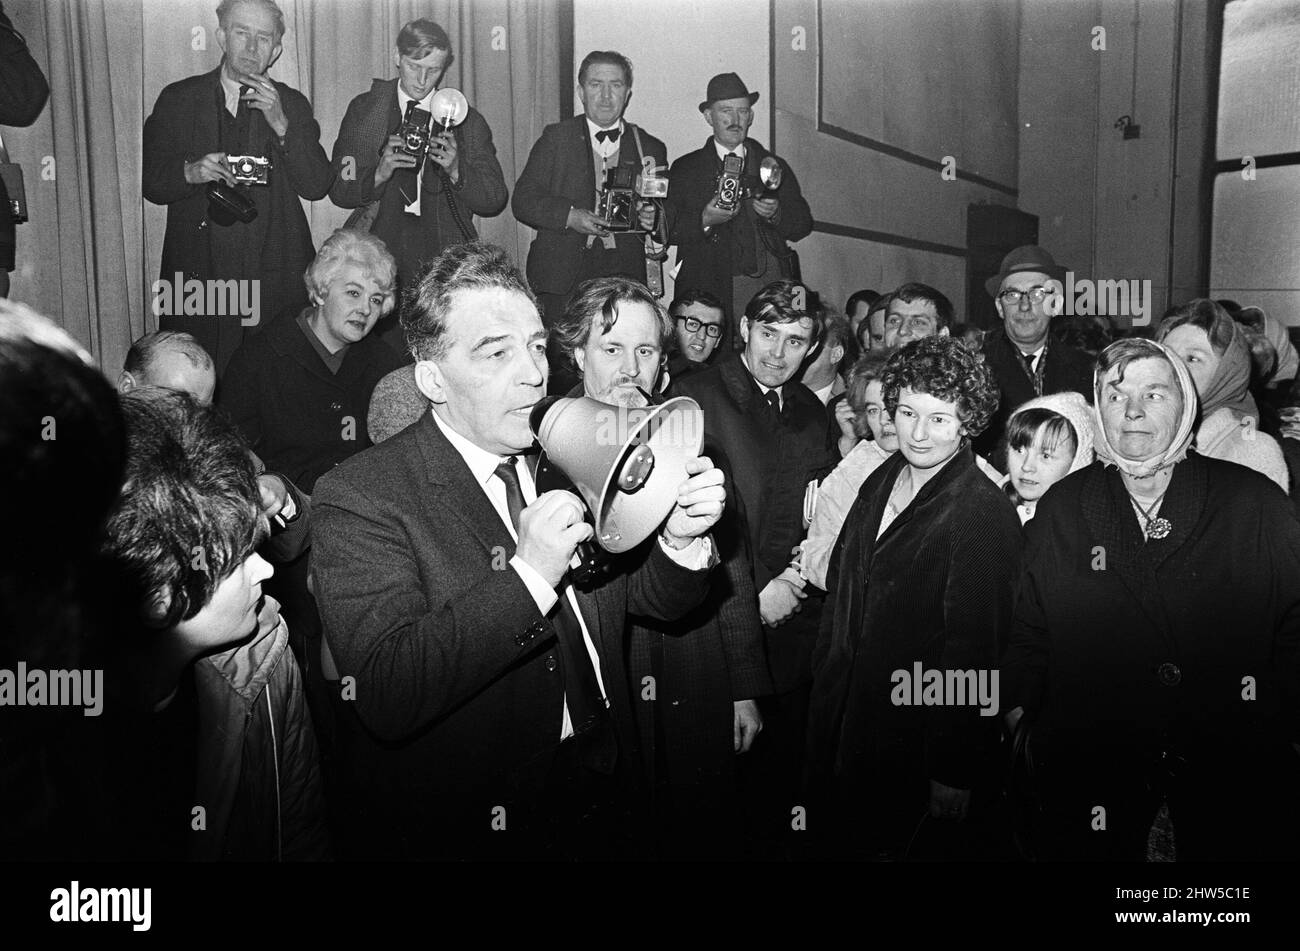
(693, 324)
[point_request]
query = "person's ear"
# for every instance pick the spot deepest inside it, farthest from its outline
(221, 39)
(156, 607)
(126, 383)
(397, 61)
(837, 353)
(275, 54)
(580, 358)
(744, 331)
(430, 381)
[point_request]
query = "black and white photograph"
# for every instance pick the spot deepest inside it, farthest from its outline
(757, 453)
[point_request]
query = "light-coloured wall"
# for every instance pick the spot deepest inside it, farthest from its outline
(1112, 208)
(944, 77)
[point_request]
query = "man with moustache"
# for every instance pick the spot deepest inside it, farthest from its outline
(491, 714)
(416, 214)
(733, 254)
(235, 110)
(770, 434)
(707, 667)
(559, 187)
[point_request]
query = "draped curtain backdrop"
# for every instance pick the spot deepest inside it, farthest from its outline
(91, 251)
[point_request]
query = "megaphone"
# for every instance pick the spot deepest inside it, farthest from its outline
(627, 463)
(449, 108)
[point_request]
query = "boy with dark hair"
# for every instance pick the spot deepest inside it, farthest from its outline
(216, 755)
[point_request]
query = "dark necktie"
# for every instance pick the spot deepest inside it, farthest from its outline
(774, 404)
(608, 135)
(582, 692)
(1028, 359)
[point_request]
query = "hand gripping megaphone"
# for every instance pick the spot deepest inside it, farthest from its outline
(627, 463)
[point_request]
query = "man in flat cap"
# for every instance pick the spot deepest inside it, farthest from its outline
(1027, 360)
(734, 253)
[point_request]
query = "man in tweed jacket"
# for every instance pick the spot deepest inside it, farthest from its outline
(415, 213)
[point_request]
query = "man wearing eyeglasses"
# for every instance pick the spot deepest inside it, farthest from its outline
(1027, 361)
(699, 320)
(733, 254)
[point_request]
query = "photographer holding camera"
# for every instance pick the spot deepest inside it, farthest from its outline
(565, 183)
(733, 206)
(414, 185)
(230, 153)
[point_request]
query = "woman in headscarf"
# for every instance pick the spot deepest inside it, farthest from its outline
(1156, 635)
(1047, 438)
(1216, 353)
(903, 722)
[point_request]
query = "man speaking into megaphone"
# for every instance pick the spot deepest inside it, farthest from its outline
(707, 667)
(489, 713)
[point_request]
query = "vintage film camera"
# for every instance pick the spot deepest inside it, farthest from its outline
(618, 198)
(250, 169)
(730, 188)
(733, 185)
(415, 133)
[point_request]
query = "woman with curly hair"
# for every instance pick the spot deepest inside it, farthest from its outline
(921, 584)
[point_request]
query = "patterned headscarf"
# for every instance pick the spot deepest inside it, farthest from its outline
(1177, 450)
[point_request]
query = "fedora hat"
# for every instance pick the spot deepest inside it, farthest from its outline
(1027, 257)
(726, 86)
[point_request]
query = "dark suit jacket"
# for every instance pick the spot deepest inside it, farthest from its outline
(1067, 369)
(708, 261)
(769, 471)
(292, 410)
(185, 126)
(457, 683)
(560, 175)
(23, 92)
(371, 118)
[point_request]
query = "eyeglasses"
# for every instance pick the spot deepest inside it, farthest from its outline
(1012, 297)
(693, 324)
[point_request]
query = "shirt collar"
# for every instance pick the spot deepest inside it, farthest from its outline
(403, 99)
(231, 90)
(723, 152)
(761, 388)
(606, 148)
(482, 464)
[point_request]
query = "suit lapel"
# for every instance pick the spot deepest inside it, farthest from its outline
(457, 492)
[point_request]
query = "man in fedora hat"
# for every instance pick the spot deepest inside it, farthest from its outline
(1027, 291)
(733, 254)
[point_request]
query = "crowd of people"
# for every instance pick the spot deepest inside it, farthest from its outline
(929, 591)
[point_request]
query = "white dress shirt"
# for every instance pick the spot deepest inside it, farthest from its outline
(483, 464)
(723, 151)
(607, 148)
